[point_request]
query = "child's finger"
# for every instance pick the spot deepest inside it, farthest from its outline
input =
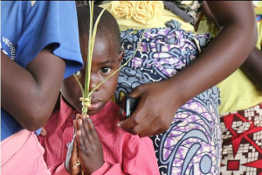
(81, 140)
(85, 131)
(78, 116)
(75, 165)
(89, 129)
(92, 128)
(74, 153)
(75, 125)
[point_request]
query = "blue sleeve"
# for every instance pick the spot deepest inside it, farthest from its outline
(51, 23)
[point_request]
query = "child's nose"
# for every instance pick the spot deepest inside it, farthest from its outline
(94, 81)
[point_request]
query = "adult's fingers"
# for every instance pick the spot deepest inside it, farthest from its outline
(147, 131)
(135, 119)
(137, 92)
(128, 125)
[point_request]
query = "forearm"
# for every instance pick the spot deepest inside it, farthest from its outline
(26, 96)
(222, 56)
(252, 67)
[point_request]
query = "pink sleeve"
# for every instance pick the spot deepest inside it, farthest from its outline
(108, 169)
(139, 158)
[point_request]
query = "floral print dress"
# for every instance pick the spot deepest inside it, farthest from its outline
(192, 144)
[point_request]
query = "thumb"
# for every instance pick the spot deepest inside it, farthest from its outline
(75, 167)
(128, 124)
(137, 92)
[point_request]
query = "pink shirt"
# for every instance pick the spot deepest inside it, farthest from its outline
(124, 153)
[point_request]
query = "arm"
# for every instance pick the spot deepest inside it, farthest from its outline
(253, 64)
(30, 86)
(222, 56)
(226, 53)
(30, 94)
(253, 67)
(92, 160)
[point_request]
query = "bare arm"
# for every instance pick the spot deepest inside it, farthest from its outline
(226, 53)
(253, 67)
(222, 56)
(30, 94)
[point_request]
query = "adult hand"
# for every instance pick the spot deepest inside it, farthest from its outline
(157, 105)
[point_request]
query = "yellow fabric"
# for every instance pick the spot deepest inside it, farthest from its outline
(259, 39)
(142, 14)
(206, 26)
(258, 7)
(237, 91)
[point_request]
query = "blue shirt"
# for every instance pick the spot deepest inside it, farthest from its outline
(27, 27)
(258, 17)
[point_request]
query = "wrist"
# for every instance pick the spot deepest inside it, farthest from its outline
(178, 91)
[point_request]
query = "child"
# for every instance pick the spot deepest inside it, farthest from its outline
(39, 47)
(103, 148)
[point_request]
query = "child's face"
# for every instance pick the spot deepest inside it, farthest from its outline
(106, 59)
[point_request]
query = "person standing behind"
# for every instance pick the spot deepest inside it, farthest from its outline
(39, 47)
(241, 107)
(180, 112)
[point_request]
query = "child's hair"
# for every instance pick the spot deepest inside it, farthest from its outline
(107, 25)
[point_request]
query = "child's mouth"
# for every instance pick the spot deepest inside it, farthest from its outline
(95, 106)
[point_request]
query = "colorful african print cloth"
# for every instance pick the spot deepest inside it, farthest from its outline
(242, 142)
(192, 143)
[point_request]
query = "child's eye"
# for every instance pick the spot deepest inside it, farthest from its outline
(106, 70)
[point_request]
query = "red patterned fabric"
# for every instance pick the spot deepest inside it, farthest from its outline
(242, 142)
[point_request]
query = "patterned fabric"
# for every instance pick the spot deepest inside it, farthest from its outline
(192, 143)
(192, 8)
(242, 142)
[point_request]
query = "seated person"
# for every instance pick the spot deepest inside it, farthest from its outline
(102, 146)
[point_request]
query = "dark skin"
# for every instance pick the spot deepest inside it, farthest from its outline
(222, 56)
(38, 83)
(106, 59)
(253, 67)
(253, 64)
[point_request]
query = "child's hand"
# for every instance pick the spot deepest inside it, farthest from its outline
(89, 146)
(43, 132)
(74, 163)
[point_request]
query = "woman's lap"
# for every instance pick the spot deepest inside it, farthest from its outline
(192, 143)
